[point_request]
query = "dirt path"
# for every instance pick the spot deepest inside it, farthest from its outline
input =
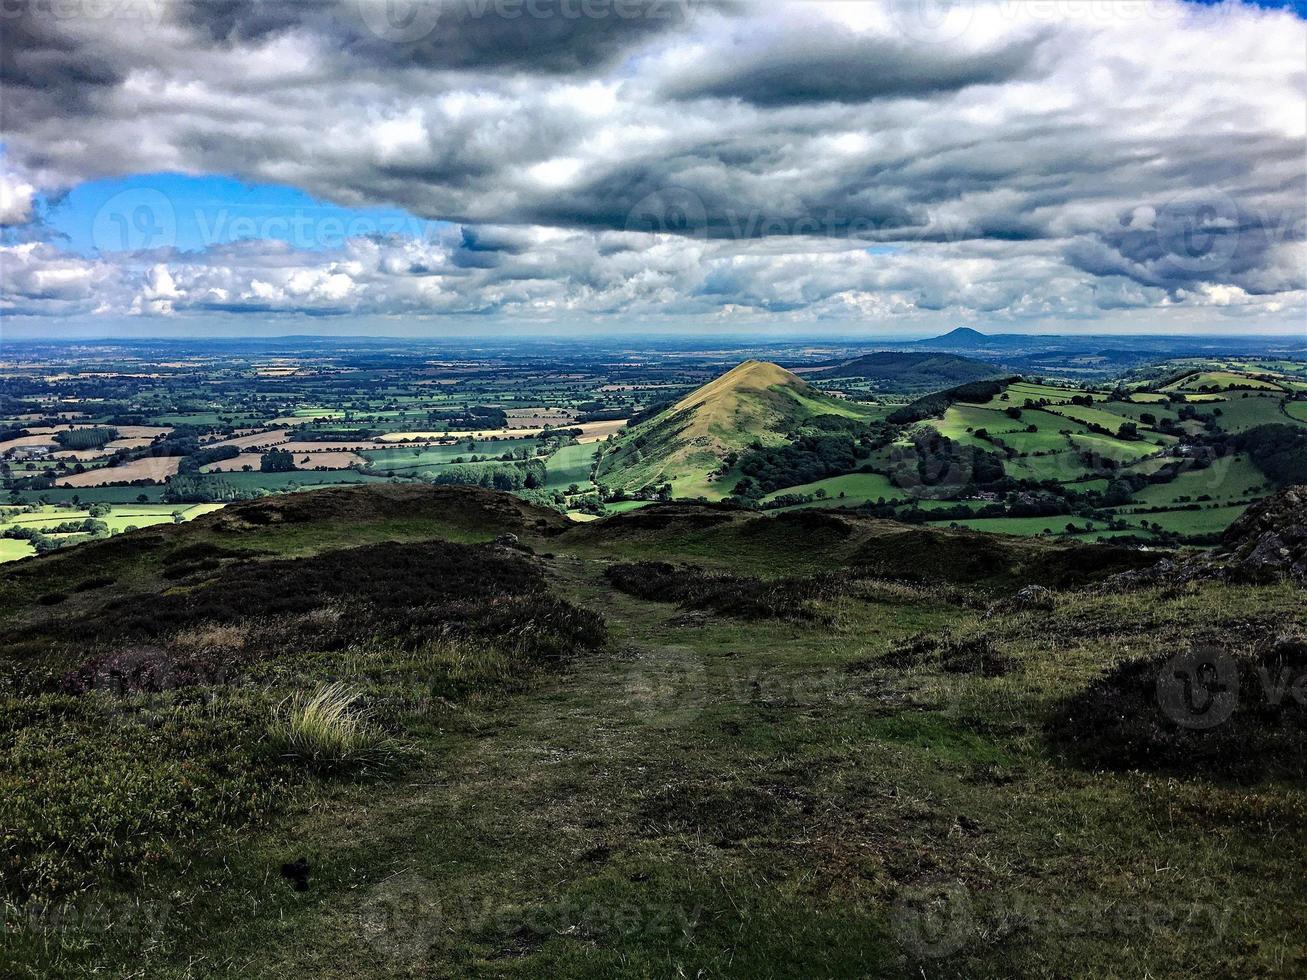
(538, 826)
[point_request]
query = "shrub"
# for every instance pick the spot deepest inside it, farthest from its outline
(731, 595)
(1209, 711)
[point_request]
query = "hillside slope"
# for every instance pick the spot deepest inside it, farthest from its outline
(685, 444)
(753, 731)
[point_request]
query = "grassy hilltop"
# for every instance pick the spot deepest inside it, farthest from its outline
(692, 740)
(684, 445)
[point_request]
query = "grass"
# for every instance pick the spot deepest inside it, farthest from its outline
(571, 464)
(698, 796)
(1228, 478)
(12, 550)
(846, 491)
(416, 457)
(328, 731)
(1238, 414)
(119, 519)
(1221, 379)
(1207, 520)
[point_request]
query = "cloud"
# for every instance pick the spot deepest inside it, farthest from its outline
(16, 195)
(663, 157)
(799, 57)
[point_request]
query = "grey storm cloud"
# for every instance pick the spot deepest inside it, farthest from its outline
(798, 67)
(607, 156)
(551, 36)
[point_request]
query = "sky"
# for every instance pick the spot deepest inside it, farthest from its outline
(466, 167)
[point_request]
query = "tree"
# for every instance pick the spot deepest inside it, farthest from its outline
(276, 461)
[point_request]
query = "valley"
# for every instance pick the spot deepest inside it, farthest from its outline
(1164, 452)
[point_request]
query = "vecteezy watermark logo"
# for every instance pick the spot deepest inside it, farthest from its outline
(402, 921)
(406, 921)
(124, 11)
(1198, 232)
(933, 921)
(400, 21)
(1199, 689)
(937, 921)
(77, 920)
(669, 211)
(135, 220)
(931, 21)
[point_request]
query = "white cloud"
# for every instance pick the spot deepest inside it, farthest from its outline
(1025, 161)
(15, 199)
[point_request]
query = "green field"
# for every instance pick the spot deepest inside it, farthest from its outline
(119, 519)
(1221, 379)
(1240, 413)
(1227, 479)
(846, 491)
(12, 550)
(414, 458)
(1205, 521)
(1121, 450)
(298, 478)
(1022, 390)
(571, 464)
(1026, 525)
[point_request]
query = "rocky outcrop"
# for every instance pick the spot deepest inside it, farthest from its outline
(1267, 544)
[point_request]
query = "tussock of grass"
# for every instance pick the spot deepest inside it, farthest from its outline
(326, 730)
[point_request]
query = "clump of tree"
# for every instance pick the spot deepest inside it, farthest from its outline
(934, 460)
(1278, 450)
(809, 458)
(201, 488)
(934, 405)
(91, 438)
(277, 461)
(205, 455)
(526, 475)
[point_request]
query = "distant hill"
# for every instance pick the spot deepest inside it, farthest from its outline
(685, 444)
(961, 337)
(912, 369)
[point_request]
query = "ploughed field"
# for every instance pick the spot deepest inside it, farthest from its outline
(435, 731)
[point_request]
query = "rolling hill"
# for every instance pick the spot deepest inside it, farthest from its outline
(686, 444)
(912, 369)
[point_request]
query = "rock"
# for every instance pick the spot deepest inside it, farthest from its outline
(1267, 544)
(507, 540)
(1268, 561)
(1033, 597)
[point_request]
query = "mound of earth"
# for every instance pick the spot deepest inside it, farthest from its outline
(973, 558)
(487, 511)
(1203, 710)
